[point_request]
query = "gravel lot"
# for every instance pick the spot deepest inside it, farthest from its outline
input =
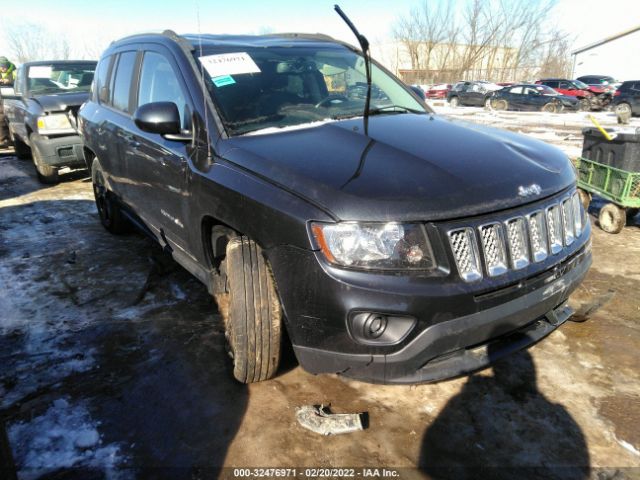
(112, 360)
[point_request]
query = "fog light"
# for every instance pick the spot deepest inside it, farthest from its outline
(378, 328)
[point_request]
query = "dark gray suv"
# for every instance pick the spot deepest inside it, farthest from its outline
(393, 247)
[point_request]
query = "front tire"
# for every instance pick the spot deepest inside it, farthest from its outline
(254, 318)
(550, 107)
(623, 112)
(612, 218)
(501, 105)
(109, 211)
(584, 105)
(454, 102)
(47, 174)
(23, 152)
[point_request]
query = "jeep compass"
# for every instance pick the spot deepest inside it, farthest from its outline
(398, 246)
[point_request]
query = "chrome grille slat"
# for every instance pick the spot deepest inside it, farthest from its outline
(465, 252)
(518, 241)
(518, 248)
(567, 222)
(494, 249)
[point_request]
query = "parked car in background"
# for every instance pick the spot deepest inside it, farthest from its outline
(439, 90)
(417, 89)
(530, 97)
(589, 99)
(472, 94)
(603, 81)
(394, 250)
(43, 110)
(626, 100)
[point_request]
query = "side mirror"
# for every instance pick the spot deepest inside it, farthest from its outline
(162, 118)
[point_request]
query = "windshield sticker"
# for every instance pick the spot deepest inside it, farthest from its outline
(223, 81)
(229, 64)
(40, 71)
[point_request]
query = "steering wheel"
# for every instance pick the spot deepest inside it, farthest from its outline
(325, 102)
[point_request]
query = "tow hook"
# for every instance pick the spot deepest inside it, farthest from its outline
(559, 315)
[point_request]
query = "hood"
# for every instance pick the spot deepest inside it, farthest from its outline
(60, 101)
(411, 167)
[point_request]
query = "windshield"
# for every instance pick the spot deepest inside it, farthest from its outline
(544, 90)
(580, 85)
(60, 78)
(258, 88)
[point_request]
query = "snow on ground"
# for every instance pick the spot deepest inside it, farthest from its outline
(63, 437)
(563, 130)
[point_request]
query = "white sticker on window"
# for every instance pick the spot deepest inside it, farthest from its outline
(229, 64)
(40, 71)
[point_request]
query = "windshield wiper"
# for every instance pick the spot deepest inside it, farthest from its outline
(394, 109)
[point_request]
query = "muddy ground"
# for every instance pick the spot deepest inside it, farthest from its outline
(113, 361)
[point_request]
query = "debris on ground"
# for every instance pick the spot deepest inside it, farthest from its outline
(319, 419)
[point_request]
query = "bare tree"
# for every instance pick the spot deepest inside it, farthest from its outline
(492, 39)
(30, 41)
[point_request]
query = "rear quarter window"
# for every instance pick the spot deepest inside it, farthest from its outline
(100, 88)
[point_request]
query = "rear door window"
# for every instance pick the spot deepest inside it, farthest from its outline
(516, 90)
(122, 81)
(159, 83)
(551, 84)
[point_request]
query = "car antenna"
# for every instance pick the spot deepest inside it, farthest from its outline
(364, 45)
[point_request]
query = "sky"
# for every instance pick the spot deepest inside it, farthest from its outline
(99, 22)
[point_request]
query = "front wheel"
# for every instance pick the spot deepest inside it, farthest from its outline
(254, 315)
(501, 105)
(550, 107)
(46, 173)
(108, 210)
(488, 104)
(584, 105)
(612, 218)
(623, 112)
(454, 102)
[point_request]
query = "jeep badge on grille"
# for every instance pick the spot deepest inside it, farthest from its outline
(533, 189)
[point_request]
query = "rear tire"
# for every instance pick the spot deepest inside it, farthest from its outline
(612, 218)
(254, 318)
(108, 209)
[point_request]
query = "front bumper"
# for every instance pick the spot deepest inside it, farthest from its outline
(465, 344)
(59, 152)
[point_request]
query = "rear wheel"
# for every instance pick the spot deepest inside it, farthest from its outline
(109, 211)
(501, 104)
(454, 102)
(612, 218)
(254, 315)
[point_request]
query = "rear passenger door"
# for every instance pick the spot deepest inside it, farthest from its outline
(157, 167)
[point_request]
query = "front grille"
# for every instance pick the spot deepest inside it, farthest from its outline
(518, 241)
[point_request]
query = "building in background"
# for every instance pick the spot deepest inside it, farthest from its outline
(617, 56)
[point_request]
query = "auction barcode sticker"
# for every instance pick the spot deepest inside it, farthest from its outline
(229, 64)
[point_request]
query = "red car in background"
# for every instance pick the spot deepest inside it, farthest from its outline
(439, 91)
(591, 97)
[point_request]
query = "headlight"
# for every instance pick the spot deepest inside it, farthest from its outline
(54, 123)
(387, 246)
